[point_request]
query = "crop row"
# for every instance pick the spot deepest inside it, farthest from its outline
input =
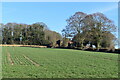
(58, 63)
(11, 56)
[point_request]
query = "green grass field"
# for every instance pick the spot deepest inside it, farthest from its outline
(27, 62)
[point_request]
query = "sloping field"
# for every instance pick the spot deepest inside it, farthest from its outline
(27, 62)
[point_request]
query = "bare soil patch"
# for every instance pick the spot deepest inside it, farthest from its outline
(9, 58)
(31, 60)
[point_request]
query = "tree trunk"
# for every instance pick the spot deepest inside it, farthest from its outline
(98, 46)
(82, 45)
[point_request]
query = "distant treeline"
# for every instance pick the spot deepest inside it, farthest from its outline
(83, 31)
(34, 34)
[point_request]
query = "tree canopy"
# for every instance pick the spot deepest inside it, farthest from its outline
(95, 29)
(81, 29)
(34, 34)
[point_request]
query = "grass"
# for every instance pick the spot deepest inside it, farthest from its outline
(58, 63)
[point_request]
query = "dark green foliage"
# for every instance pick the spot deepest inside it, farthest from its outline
(23, 34)
(34, 34)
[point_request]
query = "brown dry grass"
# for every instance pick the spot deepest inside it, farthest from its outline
(25, 46)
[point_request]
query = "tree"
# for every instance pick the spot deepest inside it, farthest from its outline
(1, 27)
(108, 41)
(65, 42)
(37, 34)
(90, 29)
(34, 34)
(101, 25)
(74, 26)
(52, 37)
(74, 23)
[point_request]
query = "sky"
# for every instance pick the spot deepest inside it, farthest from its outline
(54, 14)
(60, 0)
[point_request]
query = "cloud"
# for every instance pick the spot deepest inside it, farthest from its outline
(110, 8)
(105, 9)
